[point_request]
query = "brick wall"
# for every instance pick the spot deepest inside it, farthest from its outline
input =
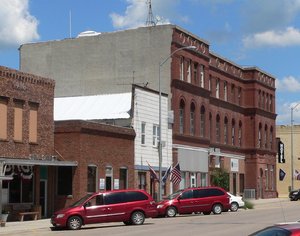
(93, 143)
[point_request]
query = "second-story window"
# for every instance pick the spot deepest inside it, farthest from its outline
(155, 136)
(143, 133)
(233, 93)
(192, 119)
(3, 118)
(181, 117)
(218, 135)
(209, 83)
(33, 129)
(266, 137)
(240, 134)
(18, 121)
(225, 130)
(239, 95)
(271, 138)
(202, 122)
(259, 137)
(233, 132)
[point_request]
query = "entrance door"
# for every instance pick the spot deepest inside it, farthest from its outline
(108, 178)
(234, 183)
(43, 197)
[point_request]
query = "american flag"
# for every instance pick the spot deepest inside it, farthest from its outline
(165, 177)
(175, 174)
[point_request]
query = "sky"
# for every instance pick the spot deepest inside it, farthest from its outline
(261, 33)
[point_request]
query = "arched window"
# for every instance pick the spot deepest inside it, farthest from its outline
(210, 126)
(263, 100)
(225, 130)
(202, 121)
(271, 103)
(233, 132)
(202, 76)
(192, 119)
(189, 72)
(259, 135)
(218, 136)
(240, 134)
(266, 137)
(181, 117)
(259, 98)
(271, 137)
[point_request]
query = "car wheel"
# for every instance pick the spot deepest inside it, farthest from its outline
(217, 209)
(74, 222)
(128, 222)
(171, 211)
(234, 206)
(137, 218)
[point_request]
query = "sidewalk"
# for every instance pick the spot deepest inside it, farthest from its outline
(17, 226)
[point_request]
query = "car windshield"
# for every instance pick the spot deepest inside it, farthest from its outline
(174, 195)
(82, 200)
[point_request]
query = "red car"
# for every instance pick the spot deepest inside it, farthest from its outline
(283, 229)
(128, 206)
(187, 201)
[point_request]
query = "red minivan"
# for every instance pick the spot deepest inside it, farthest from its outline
(202, 199)
(128, 206)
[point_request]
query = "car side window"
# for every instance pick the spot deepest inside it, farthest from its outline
(95, 201)
(187, 194)
(215, 192)
(114, 198)
(135, 196)
(200, 193)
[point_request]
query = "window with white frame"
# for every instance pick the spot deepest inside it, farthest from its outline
(195, 73)
(209, 83)
(218, 88)
(143, 133)
(192, 119)
(202, 76)
(233, 133)
(181, 68)
(240, 134)
(218, 136)
(155, 135)
(189, 72)
(225, 91)
(181, 117)
(225, 130)
(193, 180)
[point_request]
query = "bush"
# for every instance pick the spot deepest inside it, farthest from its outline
(248, 204)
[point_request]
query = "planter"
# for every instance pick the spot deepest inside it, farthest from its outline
(4, 217)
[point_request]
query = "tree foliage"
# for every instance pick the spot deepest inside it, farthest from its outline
(220, 178)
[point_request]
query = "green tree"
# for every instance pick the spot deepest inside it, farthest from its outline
(220, 178)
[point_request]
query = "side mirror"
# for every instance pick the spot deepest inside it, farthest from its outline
(87, 204)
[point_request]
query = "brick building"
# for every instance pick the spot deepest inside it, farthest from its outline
(105, 157)
(27, 156)
(224, 114)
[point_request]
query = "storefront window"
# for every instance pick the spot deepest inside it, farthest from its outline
(123, 178)
(92, 178)
(64, 180)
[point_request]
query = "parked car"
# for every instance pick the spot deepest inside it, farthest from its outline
(294, 195)
(128, 206)
(283, 229)
(187, 201)
(235, 202)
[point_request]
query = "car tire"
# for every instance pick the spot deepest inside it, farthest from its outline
(217, 209)
(74, 223)
(234, 206)
(128, 222)
(137, 218)
(171, 211)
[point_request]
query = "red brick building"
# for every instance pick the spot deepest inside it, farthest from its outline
(105, 157)
(27, 156)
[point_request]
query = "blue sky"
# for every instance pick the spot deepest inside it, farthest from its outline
(262, 33)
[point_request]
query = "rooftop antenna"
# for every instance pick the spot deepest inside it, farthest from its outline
(150, 19)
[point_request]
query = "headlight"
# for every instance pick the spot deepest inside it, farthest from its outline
(60, 215)
(160, 206)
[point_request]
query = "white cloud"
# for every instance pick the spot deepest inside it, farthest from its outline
(137, 11)
(288, 84)
(17, 26)
(288, 37)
